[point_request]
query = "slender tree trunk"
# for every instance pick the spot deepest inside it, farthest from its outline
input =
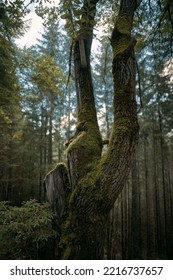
(156, 196)
(163, 177)
(40, 170)
(50, 153)
(106, 93)
(136, 226)
(166, 193)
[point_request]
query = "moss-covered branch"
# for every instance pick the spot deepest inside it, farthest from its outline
(116, 164)
(85, 148)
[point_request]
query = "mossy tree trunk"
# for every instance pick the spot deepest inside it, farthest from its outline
(96, 181)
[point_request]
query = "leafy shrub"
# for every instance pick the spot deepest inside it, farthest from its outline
(26, 232)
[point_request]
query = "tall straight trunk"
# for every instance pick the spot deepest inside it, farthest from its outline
(50, 130)
(166, 191)
(97, 181)
(43, 153)
(147, 197)
(50, 152)
(9, 191)
(156, 192)
(69, 115)
(124, 203)
(161, 187)
(41, 162)
(135, 222)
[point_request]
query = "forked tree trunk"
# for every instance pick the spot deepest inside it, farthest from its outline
(97, 181)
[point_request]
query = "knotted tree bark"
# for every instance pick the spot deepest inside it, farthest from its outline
(94, 182)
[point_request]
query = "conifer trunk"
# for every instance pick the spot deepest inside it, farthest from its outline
(97, 181)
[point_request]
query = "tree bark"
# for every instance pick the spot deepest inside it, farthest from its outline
(136, 234)
(97, 181)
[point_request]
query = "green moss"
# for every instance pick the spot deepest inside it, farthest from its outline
(70, 237)
(87, 147)
(121, 45)
(124, 24)
(61, 166)
(121, 35)
(86, 141)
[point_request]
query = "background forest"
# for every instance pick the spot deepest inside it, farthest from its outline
(38, 116)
